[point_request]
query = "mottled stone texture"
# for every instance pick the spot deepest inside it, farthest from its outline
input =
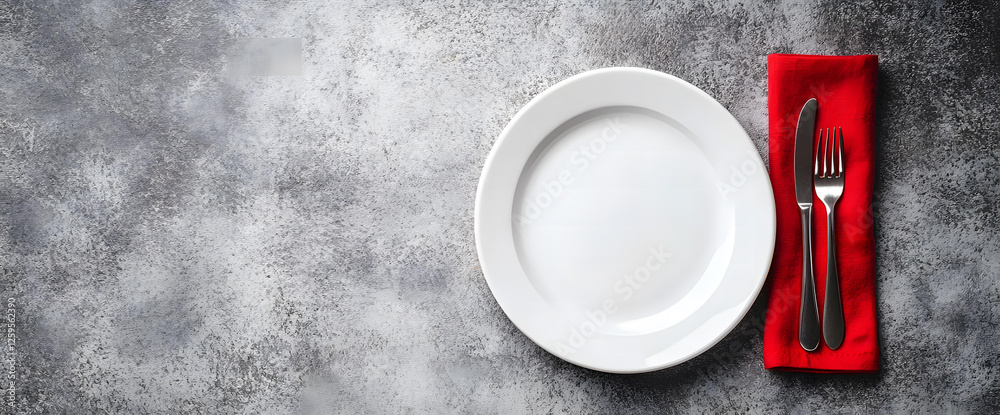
(181, 239)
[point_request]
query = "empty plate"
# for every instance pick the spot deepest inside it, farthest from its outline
(624, 220)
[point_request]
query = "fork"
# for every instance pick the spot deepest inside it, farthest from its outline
(828, 180)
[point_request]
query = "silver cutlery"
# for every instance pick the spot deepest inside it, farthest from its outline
(809, 329)
(829, 178)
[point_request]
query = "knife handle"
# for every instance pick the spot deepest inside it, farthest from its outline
(809, 329)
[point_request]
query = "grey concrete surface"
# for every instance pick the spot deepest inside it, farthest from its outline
(182, 238)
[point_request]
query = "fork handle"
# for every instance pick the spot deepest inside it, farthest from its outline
(833, 311)
(808, 310)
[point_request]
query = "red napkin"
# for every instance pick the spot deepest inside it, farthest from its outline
(845, 89)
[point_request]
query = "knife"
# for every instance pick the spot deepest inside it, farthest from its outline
(809, 329)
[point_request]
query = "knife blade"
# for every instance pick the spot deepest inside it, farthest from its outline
(804, 155)
(809, 328)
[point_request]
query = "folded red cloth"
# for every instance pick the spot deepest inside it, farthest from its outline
(845, 89)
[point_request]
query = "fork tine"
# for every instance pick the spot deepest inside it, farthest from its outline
(819, 152)
(828, 152)
(840, 153)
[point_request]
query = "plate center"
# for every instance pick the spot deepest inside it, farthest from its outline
(617, 220)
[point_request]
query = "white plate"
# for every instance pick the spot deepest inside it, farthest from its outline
(624, 220)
